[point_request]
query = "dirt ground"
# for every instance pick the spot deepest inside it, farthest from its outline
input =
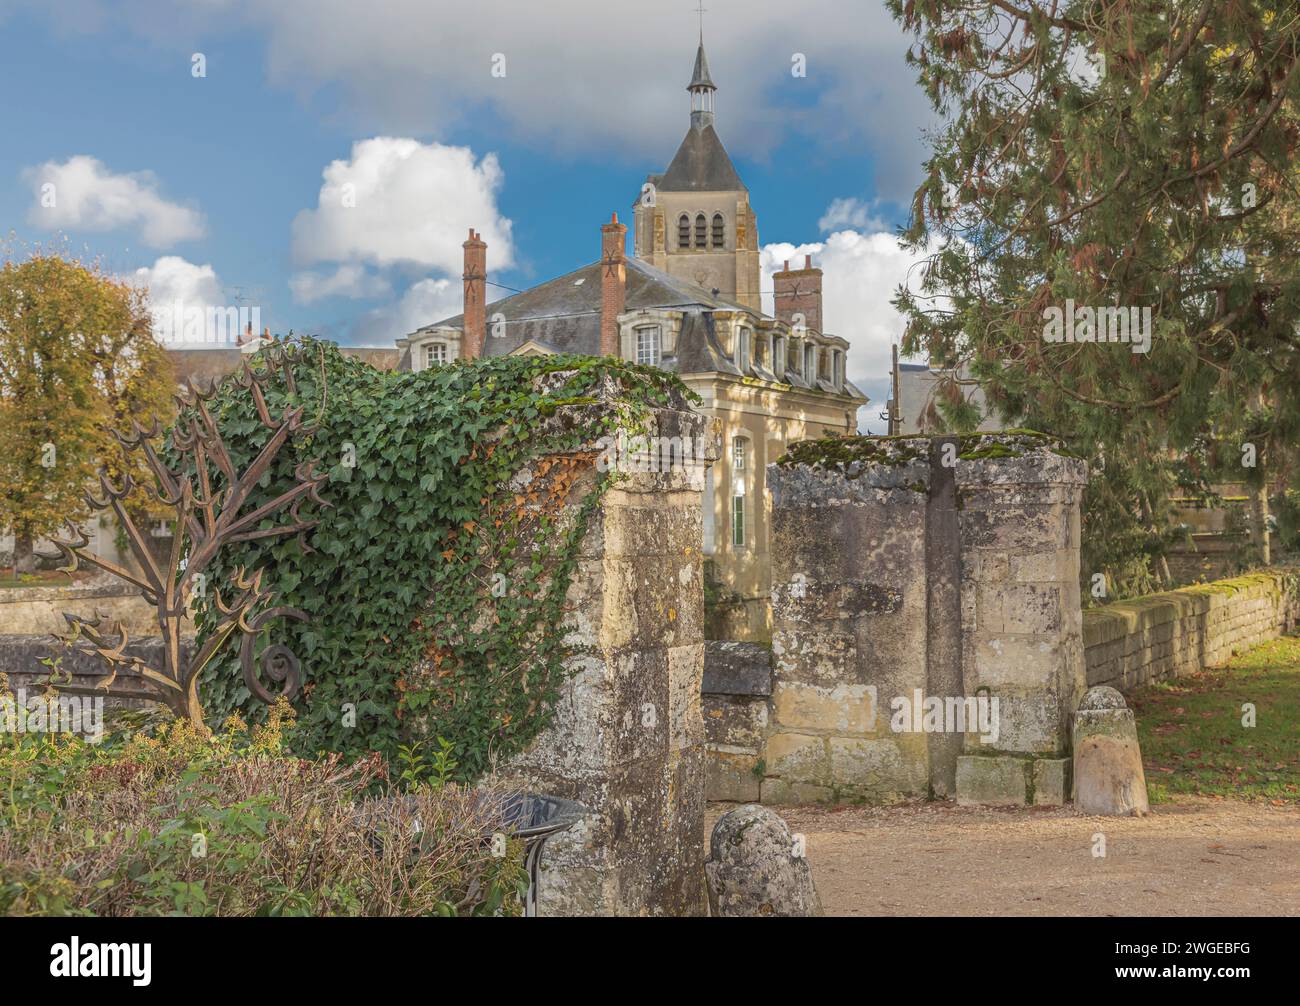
(1193, 857)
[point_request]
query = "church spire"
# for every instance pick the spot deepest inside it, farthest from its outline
(701, 88)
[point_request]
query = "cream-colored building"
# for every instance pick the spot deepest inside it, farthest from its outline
(687, 300)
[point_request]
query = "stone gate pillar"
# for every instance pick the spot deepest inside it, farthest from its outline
(927, 633)
(1021, 619)
(627, 736)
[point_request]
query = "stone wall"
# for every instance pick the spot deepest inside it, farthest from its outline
(1133, 643)
(627, 737)
(21, 659)
(36, 610)
(910, 572)
(737, 708)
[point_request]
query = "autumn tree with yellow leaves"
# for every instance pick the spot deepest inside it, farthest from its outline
(77, 360)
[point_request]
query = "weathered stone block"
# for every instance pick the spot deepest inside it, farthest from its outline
(739, 721)
(785, 792)
(885, 767)
(734, 668)
(685, 698)
(813, 655)
(842, 709)
(733, 776)
(798, 757)
(992, 779)
(1051, 781)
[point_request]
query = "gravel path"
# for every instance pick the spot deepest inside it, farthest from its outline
(1193, 857)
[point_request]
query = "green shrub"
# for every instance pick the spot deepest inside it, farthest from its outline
(181, 821)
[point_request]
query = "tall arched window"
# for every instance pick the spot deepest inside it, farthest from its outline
(683, 231)
(719, 230)
(701, 231)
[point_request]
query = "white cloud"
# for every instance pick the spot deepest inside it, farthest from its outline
(583, 78)
(190, 306)
(425, 302)
(348, 280)
(397, 201)
(172, 278)
(851, 213)
(860, 273)
(83, 194)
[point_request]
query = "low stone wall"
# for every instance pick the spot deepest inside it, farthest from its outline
(22, 656)
(1133, 643)
(39, 610)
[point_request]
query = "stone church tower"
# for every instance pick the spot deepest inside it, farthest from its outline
(694, 221)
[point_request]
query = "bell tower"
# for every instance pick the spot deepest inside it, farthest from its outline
(694, 220)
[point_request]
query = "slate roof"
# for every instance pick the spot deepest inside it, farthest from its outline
(563, 315)
(701, 164)
(701, 78)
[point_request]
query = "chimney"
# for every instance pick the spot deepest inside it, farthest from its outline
(475, 278)
(799, 291)
(613, 283)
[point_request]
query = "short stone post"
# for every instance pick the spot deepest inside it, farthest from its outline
(1108, 774)
(757, 868)
(627, 736)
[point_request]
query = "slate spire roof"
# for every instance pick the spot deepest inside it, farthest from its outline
(701, 163)
(701, 78)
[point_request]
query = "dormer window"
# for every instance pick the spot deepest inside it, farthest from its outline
(683, 231)
(743, 348)
(760, 351)
(701, 231)
(792, 357)
(719, 231)
(647, 345)
(435, 354)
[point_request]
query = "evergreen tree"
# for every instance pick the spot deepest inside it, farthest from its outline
(1100, 154)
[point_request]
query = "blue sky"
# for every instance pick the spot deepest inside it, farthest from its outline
(215, 187)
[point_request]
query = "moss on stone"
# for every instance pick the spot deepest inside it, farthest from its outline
(834, 452)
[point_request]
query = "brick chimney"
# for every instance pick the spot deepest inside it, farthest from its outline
(799, 291)
(613, 283)
(475, 278)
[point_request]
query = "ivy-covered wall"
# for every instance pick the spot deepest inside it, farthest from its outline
(435, 580)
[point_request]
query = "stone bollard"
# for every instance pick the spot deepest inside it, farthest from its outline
(757, 868)
(1108, 776)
